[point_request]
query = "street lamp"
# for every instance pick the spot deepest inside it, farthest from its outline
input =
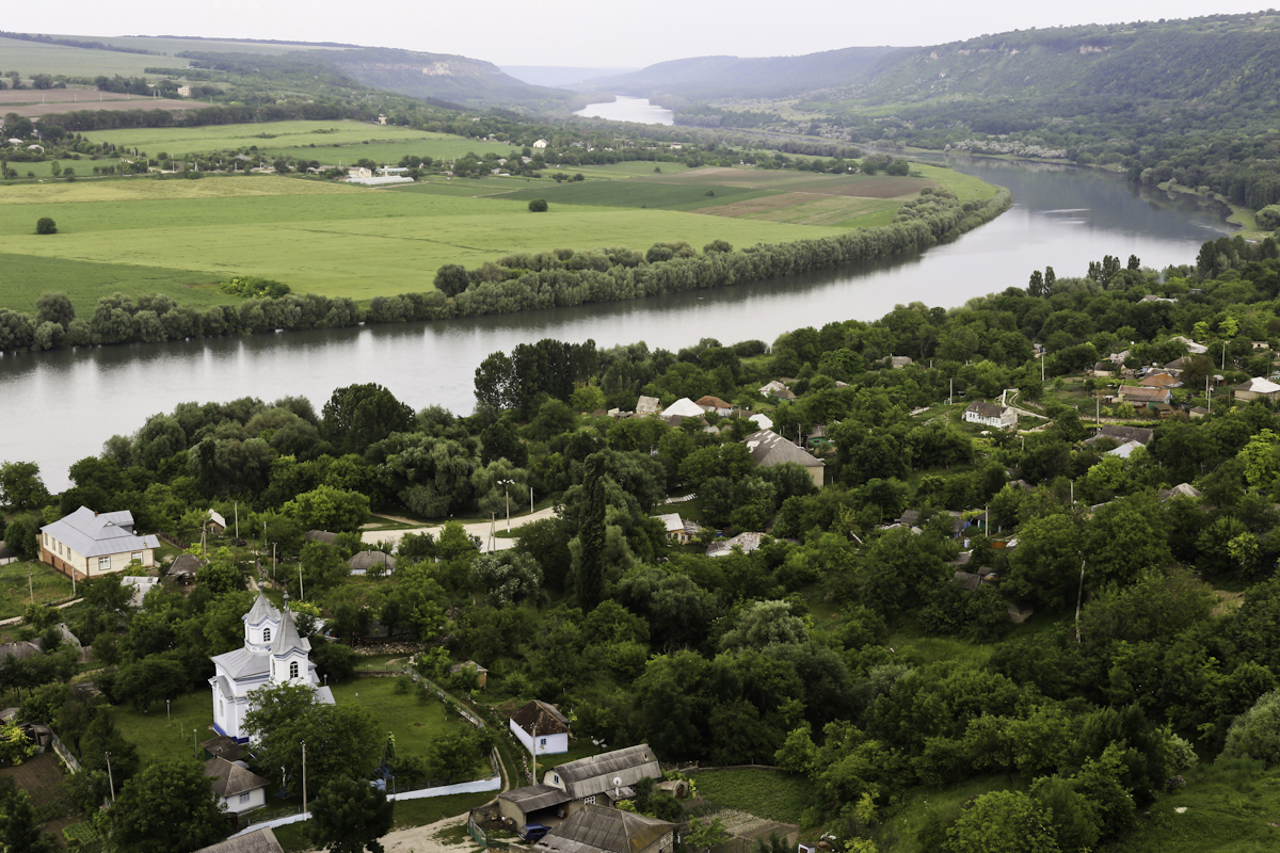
(506, 485)
(168, 713)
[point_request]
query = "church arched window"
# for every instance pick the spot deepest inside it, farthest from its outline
(293, 669)
(266, 635)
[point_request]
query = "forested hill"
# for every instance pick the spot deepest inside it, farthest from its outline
(1226, 59)
(472, 82)
(430, 76)
(712, 77)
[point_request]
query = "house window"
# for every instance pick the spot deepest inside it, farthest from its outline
(293, 669)
(244, 798)
(266, 635)
(136, 556)
(104, 564)
(589, 801)
(542, 741)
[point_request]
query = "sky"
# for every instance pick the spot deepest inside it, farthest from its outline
(594, 33)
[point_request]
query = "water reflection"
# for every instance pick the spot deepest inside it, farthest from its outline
(60, 406)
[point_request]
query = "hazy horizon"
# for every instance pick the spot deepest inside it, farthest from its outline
(576, 33)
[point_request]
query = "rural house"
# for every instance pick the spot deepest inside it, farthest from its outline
(1255, 388)
(769, 449)
(238, 788)
(603, 780)
(1139, 396)
(541, 723)
(596, 829)
(91, 544)
(991, 414)
(273, 653)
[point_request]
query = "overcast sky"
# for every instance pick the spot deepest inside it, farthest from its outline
(593, 33)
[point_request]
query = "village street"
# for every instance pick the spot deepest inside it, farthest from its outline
(479, 529)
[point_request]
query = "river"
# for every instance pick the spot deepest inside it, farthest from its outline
(629, 109)
(60, 406)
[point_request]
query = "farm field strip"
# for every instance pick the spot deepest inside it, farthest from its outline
(33, 58)
(283, 136)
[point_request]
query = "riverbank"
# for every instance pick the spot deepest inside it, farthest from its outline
(558, 281)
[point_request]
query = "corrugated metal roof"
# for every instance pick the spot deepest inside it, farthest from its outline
(287, 638)
(602, 828)
(230, 779)
(534, 798)
(93, 534)
(261, 611)
(596, 774)
(258, 841)
(242, 663)
(769, 448)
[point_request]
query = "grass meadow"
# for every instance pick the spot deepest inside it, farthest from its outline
(15, 592)
(182, 237)
(326, 141)
(321, 237)
(32, 58)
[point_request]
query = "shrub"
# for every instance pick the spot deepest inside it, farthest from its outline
(45, 225)
(538, 205)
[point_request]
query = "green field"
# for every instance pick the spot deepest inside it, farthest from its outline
(182, 237)
(31, 58)
(316, 236)
(415, 724)
(770, 794)
(15, 593)
(326, 141)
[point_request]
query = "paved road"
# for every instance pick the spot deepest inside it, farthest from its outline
(476, 528)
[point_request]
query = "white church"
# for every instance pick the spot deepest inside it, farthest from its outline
(273, 653)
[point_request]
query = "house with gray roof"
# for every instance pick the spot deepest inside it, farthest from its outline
(380, 561)
(596, 829)
(604, 779)
(259, 841)
(88, 544)
(238, 788)
(768, 449)
(991, 414)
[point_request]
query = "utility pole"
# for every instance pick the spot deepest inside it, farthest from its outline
(1208, 394)
(31, 590)
(237, 519)
(111, 779)
(301, 595)
(304, 777)
(1079, 597)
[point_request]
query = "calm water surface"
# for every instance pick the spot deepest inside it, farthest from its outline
(629, 109)
(58, 407)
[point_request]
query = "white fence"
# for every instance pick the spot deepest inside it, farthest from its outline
(493, 783)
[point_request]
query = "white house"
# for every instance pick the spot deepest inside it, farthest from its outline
(274, 653)
(238, 788)
(541, 728)
(93, 544)
(991, 414)
(541, 143)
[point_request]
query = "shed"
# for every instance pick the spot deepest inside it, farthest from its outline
(648, 406)
(542, 804)
(482, 674)
(7, 555)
